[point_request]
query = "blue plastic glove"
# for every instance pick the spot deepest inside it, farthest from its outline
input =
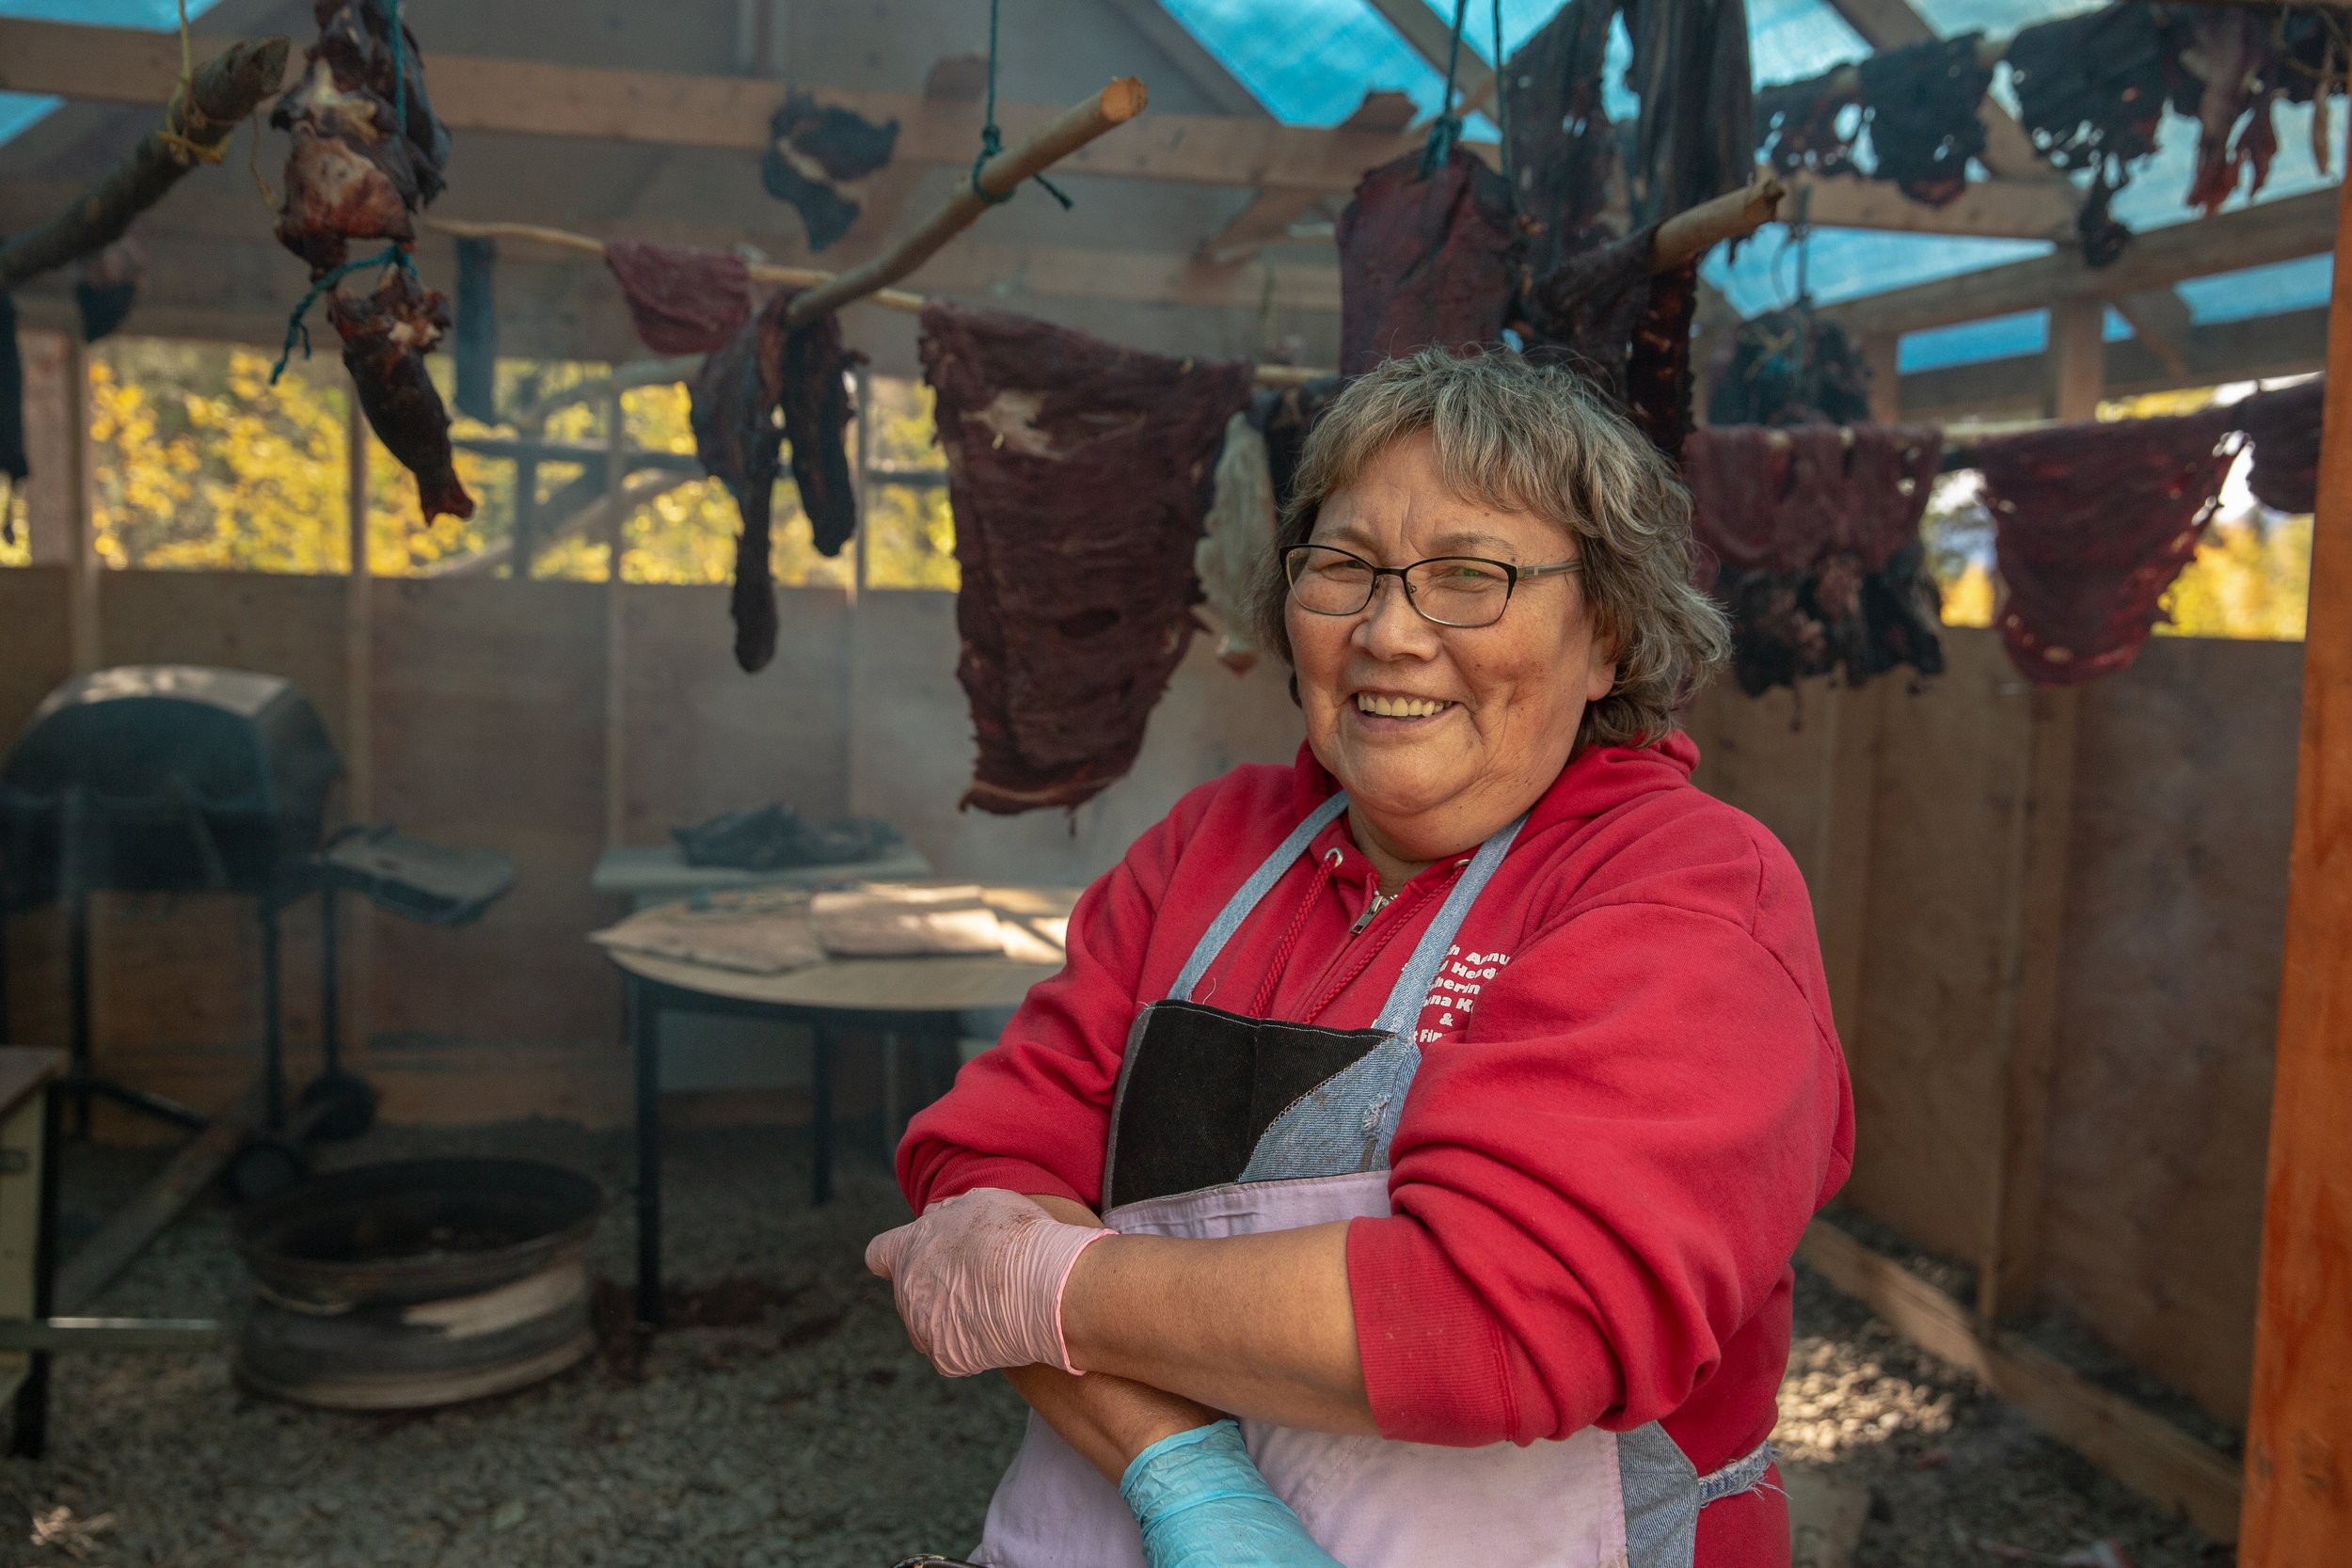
(1203, 1504)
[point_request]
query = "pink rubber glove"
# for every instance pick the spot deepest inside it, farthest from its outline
(979, 1280)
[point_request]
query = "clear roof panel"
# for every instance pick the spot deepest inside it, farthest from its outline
(21, 109)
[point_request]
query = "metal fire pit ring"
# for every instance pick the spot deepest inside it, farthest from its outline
(415, 1230)
(416, 1283)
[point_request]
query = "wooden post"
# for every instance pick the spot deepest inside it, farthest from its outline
(358, 942)
(615, 630)
(81, 481)
(2033, 940)
(1881, 353)
(2298, 1433)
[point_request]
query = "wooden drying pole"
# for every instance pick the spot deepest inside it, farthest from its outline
(825, 291)
(2299, 1430)
(988, 186)
(1734, 215)
(199, 121)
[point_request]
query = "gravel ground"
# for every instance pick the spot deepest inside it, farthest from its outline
(797, 1428)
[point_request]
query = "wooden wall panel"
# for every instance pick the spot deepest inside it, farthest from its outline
(2159, 1113)
(1769, 755)
(1927, 1108)
(702, 738)
(489, 731)
(913, 749)
(34, 638)
(34, 655)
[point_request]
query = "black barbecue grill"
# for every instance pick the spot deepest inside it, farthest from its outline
(178, 779)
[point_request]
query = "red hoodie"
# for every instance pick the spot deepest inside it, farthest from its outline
(1631, 1100)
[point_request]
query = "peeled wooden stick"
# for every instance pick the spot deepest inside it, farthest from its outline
(1733, 215)
(762, 272)
(220, 93)
(991, 182)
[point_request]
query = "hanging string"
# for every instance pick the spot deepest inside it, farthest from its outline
(1502, 104)
(392, 255)
(992, 140)
(182, 115)
(1446, 129)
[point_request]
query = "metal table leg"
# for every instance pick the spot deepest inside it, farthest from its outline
(820, 1107)
(644, 1032)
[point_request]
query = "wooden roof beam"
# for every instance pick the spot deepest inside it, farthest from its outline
(1268, 217)
(723, 113)
(2279, 230)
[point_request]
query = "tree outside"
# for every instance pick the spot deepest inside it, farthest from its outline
(205, 464)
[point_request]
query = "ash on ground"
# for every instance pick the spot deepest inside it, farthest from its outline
(785, 1424)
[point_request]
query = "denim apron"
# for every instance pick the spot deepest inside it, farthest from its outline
(1223, 1125)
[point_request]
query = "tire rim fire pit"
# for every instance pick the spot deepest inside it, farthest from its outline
(416, 1283)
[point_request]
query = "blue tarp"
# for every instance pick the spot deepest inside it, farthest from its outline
(21, 109)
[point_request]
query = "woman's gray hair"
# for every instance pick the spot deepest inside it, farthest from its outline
(1521, 436)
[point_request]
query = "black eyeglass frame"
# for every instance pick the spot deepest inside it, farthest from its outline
(1512, 576)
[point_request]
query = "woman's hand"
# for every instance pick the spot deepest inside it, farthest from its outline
(979, 1280)
(1201, 1504)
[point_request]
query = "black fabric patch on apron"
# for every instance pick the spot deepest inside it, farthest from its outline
(1199, 1087)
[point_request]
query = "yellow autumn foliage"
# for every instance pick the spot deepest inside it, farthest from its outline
(202, 463)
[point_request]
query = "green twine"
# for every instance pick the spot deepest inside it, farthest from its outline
(1502, 104)
(992, 140)
(1446, 129)
(297, 330)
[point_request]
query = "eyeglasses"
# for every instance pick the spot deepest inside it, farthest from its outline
(1449, 590)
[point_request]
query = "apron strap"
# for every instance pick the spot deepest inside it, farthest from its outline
(1401, 1016)
(1246, 897)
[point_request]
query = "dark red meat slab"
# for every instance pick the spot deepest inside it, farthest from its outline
(2285, 427)
(2091, 523)
(1080, 473)
(683, 300)
(1423, 261)
(355, 172)
(386, 337)
(1811, 536)
(736, 401)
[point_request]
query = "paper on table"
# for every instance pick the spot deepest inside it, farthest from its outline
(767, 934)
(898, 920)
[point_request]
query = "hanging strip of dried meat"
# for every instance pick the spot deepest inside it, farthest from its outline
(1080, 472)
(733, 402)
(477, 344)
(1606, 314)
(1811, 536)
(1424, 262)
(386, 337)
(683, 300)
(735, 397)
(817, 413)
(1803, 125)
(1283, 417)
(2091, 90)
(2234, 52)
(1563, 148)
(2284, 427)
(1924, 102)
(355, 172)
(1694, 139)
(811, 147)
(2090, 525)
(1790, 369)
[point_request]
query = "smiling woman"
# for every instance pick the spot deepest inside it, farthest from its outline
(1452, 1101)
